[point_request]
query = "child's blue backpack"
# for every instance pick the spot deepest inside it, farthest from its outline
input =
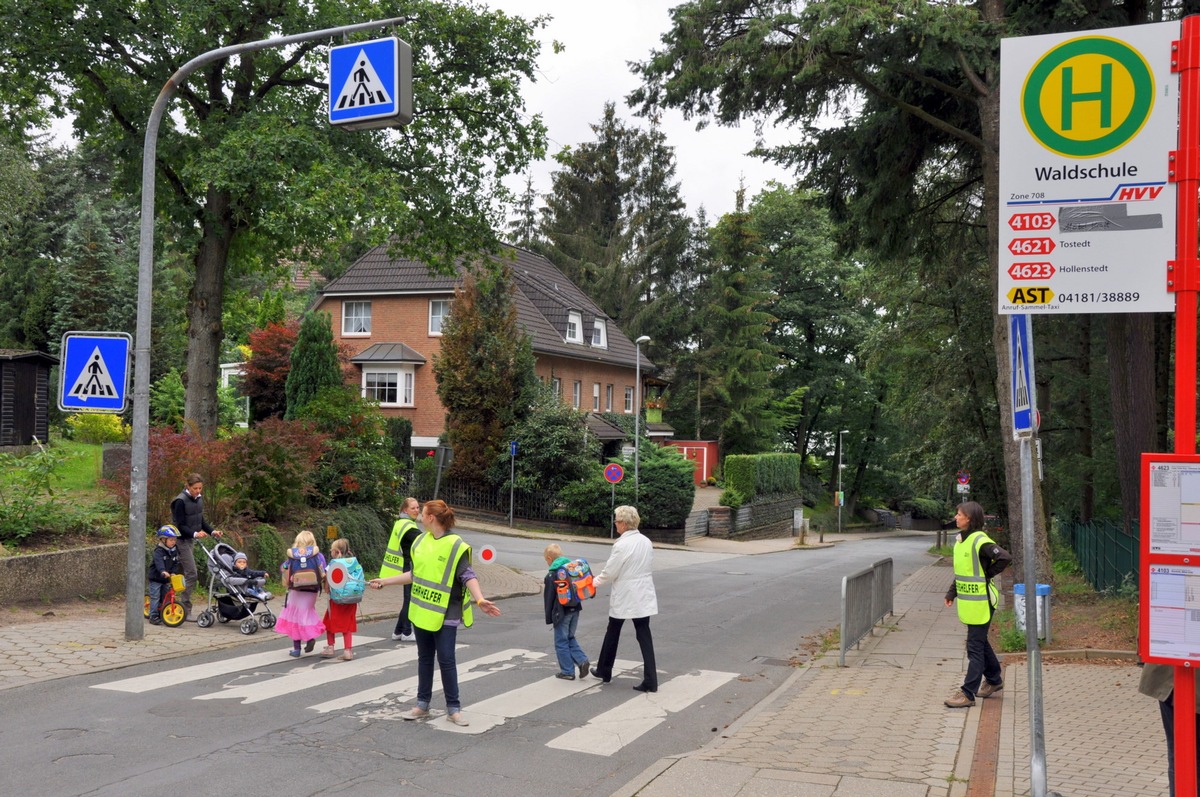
(304, 569)
(346, 580)
(573, 583)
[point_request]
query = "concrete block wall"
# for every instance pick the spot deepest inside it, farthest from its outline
(97, 571)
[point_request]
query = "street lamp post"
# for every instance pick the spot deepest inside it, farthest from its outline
(637, 415)
(841, 500)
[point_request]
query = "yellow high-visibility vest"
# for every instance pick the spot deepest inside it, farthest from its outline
(393, 556)
(435, 561)
(977, 595)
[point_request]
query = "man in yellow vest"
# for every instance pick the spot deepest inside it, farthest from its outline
(397, 559)
(977, 558)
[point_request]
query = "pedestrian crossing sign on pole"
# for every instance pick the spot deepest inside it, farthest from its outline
(94, 375)
(370, 84)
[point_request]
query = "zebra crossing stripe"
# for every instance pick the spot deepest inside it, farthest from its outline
(319, 673)
(407, 689)
(607, 733)
(489, 713)
(148, 683)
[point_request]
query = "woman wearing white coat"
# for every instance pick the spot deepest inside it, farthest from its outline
(630, 571)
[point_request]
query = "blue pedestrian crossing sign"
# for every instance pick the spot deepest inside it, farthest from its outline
(94, 375)
(1024, 399)
(370, 84)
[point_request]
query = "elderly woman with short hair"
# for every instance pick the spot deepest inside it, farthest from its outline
(629, 570)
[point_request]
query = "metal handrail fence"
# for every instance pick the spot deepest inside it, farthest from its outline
(866, 599)
(1108, 556)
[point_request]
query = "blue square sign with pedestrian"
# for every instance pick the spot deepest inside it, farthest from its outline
(94, 375)
(370, 84)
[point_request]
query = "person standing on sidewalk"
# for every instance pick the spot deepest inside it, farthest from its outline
(187, 515)
(1158, 682)
(977, 559)
(630, 570)
(397, 559)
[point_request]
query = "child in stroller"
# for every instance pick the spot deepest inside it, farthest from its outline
(255, 579)
(234, 595)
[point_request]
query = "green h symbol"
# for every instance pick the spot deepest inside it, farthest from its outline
(1103, 96)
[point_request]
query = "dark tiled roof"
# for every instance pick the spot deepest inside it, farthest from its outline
(544, 298)
(389, 353)
(19, 354)
(603, 429)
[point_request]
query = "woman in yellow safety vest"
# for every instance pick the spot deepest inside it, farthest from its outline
(444, 586)
(977, 558)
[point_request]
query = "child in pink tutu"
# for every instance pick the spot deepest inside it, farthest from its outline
(303, 574)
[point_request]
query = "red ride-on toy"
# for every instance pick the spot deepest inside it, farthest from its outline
(172, 613)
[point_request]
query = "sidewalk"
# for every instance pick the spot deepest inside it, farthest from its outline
(877, 727)
(874, 727)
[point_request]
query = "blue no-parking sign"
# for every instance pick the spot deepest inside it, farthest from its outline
(94, 375)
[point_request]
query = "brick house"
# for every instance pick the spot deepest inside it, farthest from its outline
(389, 313)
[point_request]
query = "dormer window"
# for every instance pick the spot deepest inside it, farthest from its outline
(574, 327)
(599, 333)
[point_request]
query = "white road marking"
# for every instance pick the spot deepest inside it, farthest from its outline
(607, 733)
(407, 689)
(489, 713)
(148, 683)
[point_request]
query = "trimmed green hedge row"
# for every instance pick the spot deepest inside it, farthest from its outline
(750, 475)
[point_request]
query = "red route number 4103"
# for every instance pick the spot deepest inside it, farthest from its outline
(1031, 271)
(1031, 221)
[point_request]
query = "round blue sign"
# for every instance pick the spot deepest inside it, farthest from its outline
(614, 473)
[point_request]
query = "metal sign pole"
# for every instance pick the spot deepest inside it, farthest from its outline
(140, 454)
(1037, 731)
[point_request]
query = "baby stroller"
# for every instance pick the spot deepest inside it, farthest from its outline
(230, 596)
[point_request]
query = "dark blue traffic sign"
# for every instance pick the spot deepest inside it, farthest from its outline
(94, 376)
(1020, 348)
(614, 473)
(512, 448)
(370, 84)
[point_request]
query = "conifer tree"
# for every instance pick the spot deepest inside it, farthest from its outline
(485, 371)
(314, 363)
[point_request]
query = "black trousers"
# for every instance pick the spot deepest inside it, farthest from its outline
(981, 659)
(608, 650)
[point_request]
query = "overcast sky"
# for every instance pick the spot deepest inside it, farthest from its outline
(601, 37)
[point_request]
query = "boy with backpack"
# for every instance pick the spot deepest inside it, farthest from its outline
(568, 583)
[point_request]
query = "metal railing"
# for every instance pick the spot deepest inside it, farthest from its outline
(866, 599)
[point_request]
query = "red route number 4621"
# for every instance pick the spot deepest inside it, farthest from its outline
(1031, 271)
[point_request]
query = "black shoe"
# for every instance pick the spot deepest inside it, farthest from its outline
(155, 621)
(309, 645)
(603, 677)
(583, 669)
(566, 676)
(643, 687)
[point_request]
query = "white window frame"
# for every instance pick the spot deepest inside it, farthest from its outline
(356, 324)
(608, 394)
(576, 393)
(574, 327)
(595, 397)
(556, 386)
(444, 305)
(599, 334)
(405, 384)
(628, 400)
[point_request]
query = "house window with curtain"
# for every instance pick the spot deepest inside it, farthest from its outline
(599, 334)
(595, 397)
(556, 386)
(439, 311)
(390, 386)
(574, 327)
(356, 318)
(608, 391)
(628, 400)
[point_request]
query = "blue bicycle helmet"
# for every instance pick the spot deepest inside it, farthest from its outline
(168, 531)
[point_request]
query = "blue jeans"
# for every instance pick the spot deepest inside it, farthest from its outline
(157, 591)
(565, 647)
(438, 643)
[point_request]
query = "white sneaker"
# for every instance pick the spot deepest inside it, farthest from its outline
(408, 637)
(397, 637)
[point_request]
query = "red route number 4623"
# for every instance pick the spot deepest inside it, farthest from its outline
(1031, 271)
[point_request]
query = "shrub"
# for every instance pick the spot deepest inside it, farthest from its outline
(664, 499)
(399, 433)
(357, 465)
(268, 548)
(367, 529)
(96, 428)
(752, 475)
(27, 502)
(271, 467)
(424, 477)
(172, 456)
(929, 508)
(554, 448)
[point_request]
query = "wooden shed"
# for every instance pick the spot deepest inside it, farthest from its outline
(24, 396)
